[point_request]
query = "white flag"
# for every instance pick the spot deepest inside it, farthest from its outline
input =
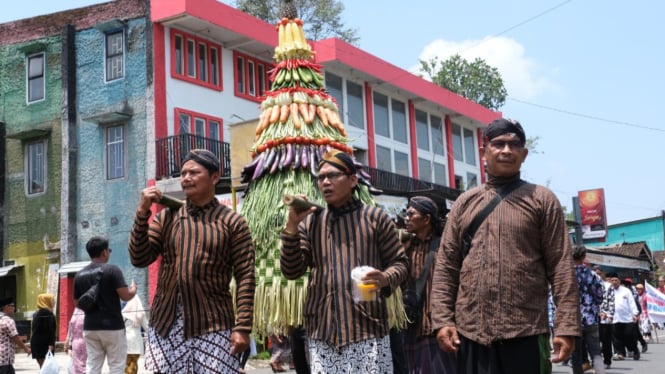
(655, 304)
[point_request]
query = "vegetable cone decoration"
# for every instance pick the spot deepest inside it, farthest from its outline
(299, 122)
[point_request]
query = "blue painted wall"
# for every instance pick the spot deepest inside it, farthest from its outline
(650, 230)
(106, 207)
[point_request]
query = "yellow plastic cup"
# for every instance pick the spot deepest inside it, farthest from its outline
(366, 291)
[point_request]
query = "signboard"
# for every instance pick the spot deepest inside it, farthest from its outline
(227, 199)
(392, 204)
(592, 213)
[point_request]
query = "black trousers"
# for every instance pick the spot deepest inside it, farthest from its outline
(397, 350)
(606, 342)
(7, 369)
(624, 338)
(511, 356)
(299, 350)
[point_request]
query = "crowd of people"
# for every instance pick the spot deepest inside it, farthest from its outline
(474, 289)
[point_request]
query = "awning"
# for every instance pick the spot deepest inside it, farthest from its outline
(616, 260)
(72, 267)
(5, 270)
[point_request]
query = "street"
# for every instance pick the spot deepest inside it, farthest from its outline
(651, 362)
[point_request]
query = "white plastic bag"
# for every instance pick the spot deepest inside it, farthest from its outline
(50, 365)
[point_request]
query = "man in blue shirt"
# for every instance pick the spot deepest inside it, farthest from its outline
(591, 296)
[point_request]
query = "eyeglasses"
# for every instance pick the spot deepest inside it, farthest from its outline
(411, 214)
(501, 144)
(330, 176)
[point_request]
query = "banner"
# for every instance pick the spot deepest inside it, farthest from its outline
(592, 213)
(655, 304)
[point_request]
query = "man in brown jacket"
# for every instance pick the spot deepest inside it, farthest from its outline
(491, 306)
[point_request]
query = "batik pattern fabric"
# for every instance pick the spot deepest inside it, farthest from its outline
(607, 306)
(367, 356)
(207, 353)
(7, 333)
(591, 294)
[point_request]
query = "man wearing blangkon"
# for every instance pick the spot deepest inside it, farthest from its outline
(344, 336)
(490, 306)
(193, 327)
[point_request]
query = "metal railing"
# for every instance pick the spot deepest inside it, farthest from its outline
(391, 182)
(171, 151)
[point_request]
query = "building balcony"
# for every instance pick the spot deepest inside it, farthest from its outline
(170, 151)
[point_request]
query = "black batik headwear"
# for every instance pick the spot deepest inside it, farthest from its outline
(503, 126)
(204, 158)
(427, 206)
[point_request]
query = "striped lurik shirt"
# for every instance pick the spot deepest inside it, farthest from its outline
(331, 244)
(417, 251)
(201, 249)
(500, 290)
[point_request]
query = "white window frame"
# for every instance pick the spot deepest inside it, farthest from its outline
(112, 164)
(114, 61)
(30, 76)
(35, 166)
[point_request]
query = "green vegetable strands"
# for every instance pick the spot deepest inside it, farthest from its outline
(299, 122)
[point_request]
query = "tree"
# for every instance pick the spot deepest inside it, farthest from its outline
(476, 81)
(322, 18)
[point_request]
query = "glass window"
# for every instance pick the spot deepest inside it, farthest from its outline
(214, 130)
(440, 174)
(459, 182)
(422, 133)
(354, 99)
(399, 121)
(334, 87)
(179, 56)
(401, 163)
(381, 115)
(203, 62)
(185, 123)
(437, 135)
(115, 152)
(261, 75)
(240, 74)
(36, 77)
(114, 56)
(424, 169)
(469, 147)
(471, 180)
(191, 59)
(383, 160)
(196, 60)
(214, 66)
(458, 150)
(251, 77)
(36, 165)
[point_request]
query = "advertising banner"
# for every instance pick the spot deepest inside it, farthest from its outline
(655, 304)
(592, 213)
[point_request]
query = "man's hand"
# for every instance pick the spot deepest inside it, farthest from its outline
(149, 195)
(563, 348)
(239, 342)
(448, 339)
(376, 278)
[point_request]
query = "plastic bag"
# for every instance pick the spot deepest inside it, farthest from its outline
(50, 365)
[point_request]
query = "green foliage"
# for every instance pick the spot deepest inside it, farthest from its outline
(322, 18)
(476, 81)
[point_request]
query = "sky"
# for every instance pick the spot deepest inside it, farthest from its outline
(583, 76)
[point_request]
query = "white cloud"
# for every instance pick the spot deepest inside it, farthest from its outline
(522, 76)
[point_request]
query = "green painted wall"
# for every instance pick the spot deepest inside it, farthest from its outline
(29, 218)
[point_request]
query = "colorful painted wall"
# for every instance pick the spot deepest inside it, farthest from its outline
(31, 218)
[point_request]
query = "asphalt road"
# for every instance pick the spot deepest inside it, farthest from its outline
(651, 362)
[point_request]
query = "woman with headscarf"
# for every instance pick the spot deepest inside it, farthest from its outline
(135, 321)
(420, 346)
(42, 339)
